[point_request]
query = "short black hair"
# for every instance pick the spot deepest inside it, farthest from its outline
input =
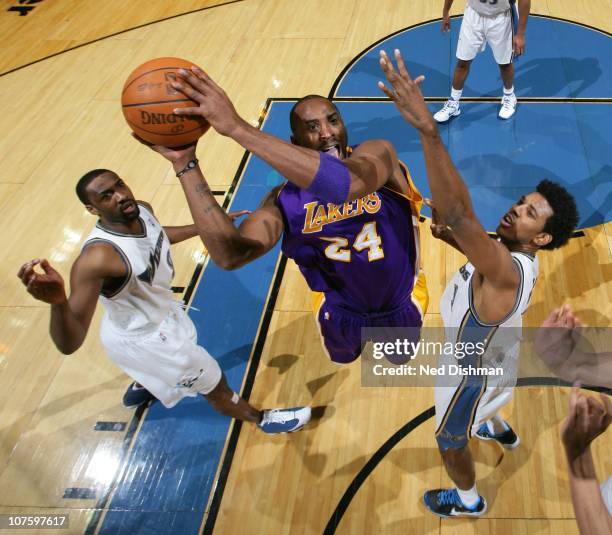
(85, 180)
(293, 116)
(564, 220)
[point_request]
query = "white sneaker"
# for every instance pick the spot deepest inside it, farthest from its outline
(450, 109)
(277, 421)
(508, 106)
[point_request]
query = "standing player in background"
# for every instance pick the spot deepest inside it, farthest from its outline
(493, 22)
(126, 264)
(348, 217)
(491, 291)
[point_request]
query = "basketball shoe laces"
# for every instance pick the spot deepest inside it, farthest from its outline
(450, 104)
(507, 102)
(448, 497)
(275, 416)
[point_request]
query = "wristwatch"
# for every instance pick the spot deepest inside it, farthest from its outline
(190, 165)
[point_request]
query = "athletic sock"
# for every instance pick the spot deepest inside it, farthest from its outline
(456, 94)
(497, 422)
(469, 497)
(509, 91)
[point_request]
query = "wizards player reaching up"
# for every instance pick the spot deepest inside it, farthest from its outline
(486, 298)
(349, 217)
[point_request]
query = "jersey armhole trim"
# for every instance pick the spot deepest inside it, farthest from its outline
(517, 299)
(124, 259)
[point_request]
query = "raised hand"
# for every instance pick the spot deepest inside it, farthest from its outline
(213, 103)
(555, 339)
(172, 154)
(406, 94)
(587, 419)
(47, 286)
(438, 230)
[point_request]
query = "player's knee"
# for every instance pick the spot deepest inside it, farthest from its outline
(449, 444)
(219, 391)
(463, 64)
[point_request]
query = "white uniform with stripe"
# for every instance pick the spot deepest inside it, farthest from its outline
(464, 402)
(145, 331)
(487, 22)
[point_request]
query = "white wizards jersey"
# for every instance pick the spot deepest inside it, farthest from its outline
(500, 341)
(489, 8)
(142, 299)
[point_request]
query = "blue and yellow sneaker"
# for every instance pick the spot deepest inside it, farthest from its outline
(275, 421)
(508, 439)
(136, 395)
(447, 504)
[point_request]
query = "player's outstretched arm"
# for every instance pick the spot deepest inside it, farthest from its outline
(71, 316)
(449, 193)
(347, 180)
(229, 247)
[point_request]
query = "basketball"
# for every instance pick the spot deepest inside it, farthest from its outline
(148, 101)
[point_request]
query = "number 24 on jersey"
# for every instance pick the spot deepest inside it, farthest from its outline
(340, 250)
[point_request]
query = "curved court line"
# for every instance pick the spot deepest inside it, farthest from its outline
(392, 441)
(144, 25)
(350, 64)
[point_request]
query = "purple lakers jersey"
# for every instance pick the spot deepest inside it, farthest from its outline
(364, 254)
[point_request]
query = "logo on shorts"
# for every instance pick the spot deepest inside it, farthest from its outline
(188, 382)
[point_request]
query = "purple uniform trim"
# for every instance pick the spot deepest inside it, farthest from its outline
(332, 181)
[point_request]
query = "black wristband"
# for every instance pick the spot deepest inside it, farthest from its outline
(190, 165)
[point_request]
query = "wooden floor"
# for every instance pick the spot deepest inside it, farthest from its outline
(61, 117)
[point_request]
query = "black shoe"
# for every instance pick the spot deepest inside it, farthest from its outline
(508, 439)
(136, 395)
(447, 504)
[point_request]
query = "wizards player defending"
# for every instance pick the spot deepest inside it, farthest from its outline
(349, 216)
(491, 291)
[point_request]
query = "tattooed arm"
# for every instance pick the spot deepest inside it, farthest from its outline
(228, 246)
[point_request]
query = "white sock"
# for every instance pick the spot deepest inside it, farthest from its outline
(456, 94)
(496, 425)
(509, 91)
(469, 497)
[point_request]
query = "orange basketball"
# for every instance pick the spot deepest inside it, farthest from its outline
(148, 101)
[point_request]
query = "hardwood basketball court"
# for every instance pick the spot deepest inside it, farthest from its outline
(365, 461)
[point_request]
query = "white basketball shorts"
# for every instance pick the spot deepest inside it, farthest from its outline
(167, 361)
(477, 30)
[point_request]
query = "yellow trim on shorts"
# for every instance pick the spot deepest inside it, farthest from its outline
(317, 301)
(420, 294)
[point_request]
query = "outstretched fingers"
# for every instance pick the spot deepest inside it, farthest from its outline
(387, 67)
(401, 66)
(386, 90)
